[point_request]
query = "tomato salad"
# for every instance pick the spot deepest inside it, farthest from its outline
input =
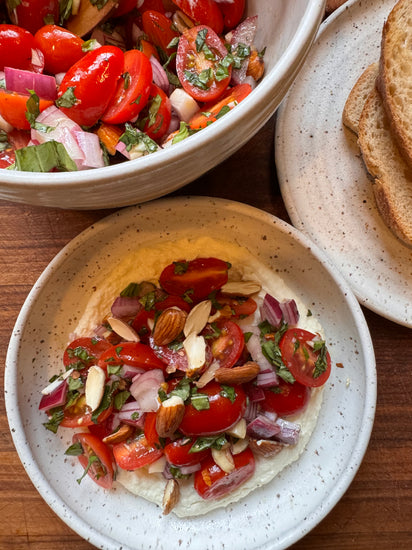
(190, 378)
(84, 87)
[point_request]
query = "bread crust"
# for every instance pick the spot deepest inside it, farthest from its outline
(358, 96)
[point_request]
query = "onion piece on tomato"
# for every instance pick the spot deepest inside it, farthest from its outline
(159, 75)
(243, 34)
(145, 389)
(126, 306)
(263, 428)
(22, 82)
(132, 414)
(56, 398)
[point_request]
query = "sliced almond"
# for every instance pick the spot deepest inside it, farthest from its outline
(56, 383)
(158, 466)
(239, 446)
(124, 330)
(238, 430)
(171, 496)
(265, 447)
(124, 432)
(241, 288)
(169, 325)
(94, 388)
(237, 375)
(197, 318)
(208, 375)
(169, 416)
(195, 348)
(224, 459)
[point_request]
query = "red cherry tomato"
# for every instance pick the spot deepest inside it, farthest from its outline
(172, 301)
(197, 278)
(79, 415)
(141, 324)
(203, 12)
(13, 108)
(159, 30)
(32, 14)
(134, 354)
(7, 158)
(150, 432)
(157, 114)
(236, 307)
(133, 89)
(232, 12)
(84, 352)
(221, 415)
(100, 470)
(202, 75)
(178, 453)
(124, 6)
(211, 482)
(228, 346)
(211, 112)
(131, 455)
(61, 48)
(286, 398)
(92, 81)
(309, 366)
(15, 47)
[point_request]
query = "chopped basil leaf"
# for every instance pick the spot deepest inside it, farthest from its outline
(80, 353)
(106, 401)
(202, 443)
(200, 401)
(271, 350)
(216, 332)
(75, 450)
(89, 45)
(131, 291)
(182, 134)
(4, 144)
(187, 296)
(92, 460)
(321, 363)
(201, 39)
(44, 158)
(309, 313)
(179, 268)
(98, 3)
(229, 392)
(247, 336)
(223, 111)
(148, 300)
(126, 78)
(114, 369)
(174, 42)
(65, 7)
(54, 421)
(200, 80)
(68, 99)
(120, 399)
(74, 383)
(182, 389)
(137, 143)
(177, 474)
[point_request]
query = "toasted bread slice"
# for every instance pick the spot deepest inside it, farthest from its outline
(392, 176)
(358, 96)
(395, 75)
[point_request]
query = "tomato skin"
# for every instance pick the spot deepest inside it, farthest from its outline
(61, 48)
(172, 301)
(131, 455)
(232, 13)
(235, 307)
(7, 158)
(157, 129)
(201, 276)
(150, 432)
(178, 453)
(203, 12)
(286, 399)
(134, 354)
(129, 100)
(211, 482)
(221, 415)
(94, 81)
(13, 108)
(31, 14)
(229, 345)
(299, 357)
(209, 113)
(159, 29)
(189, 60)
(78, 416)
(16, 44)
(93, 445)
(93, 347)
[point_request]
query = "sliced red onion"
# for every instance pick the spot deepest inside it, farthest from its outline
(126, 306)
(290, 311)
(159, 74)
(132, 414)
(130, 372)
(288, 431)
(255, 349)
(243, 34)
(187, 470)
(37, 60)
(263, 428)
(271, 311)
(54, 399)
(108, 38)
(145, 388)
(121, 148)
(21, 81)
(255, 394)
(90, 146)
(136, 33)
(267, 379)
(174, 124)
(251, 411)
(59, 78)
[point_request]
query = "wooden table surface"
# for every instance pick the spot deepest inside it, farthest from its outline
(376, 511)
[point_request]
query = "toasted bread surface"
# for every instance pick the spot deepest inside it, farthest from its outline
(358, 96)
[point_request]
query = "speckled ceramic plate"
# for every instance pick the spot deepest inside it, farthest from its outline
(323, 180)
(274, 516)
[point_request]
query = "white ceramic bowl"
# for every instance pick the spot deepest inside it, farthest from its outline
(286, 29)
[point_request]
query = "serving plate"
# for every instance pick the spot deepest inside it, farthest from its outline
(283, 511)
(323, 181)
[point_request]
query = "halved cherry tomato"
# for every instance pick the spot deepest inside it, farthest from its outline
(141, 324)
(221, 415)
(150, 432)
(148, 49)
(7, 158)
(172, 301)
(134, 354)
(178, 453)
(309, 366)
(79, 415)
(211, 482)
(16, 44)
(235, 307)
(171, 357)
(60, 47)
(232, 12)
(133, 89)
(157, 114)
(131, 455)
(286, 398)
(13, 108)
(84, 352)
(200, 63)
(124, 6)
(100, 470)
(228, 346)
(196, 278)
(92, 81)
(210, 113)
(160, 30)
(203, 12)
(32, 14)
